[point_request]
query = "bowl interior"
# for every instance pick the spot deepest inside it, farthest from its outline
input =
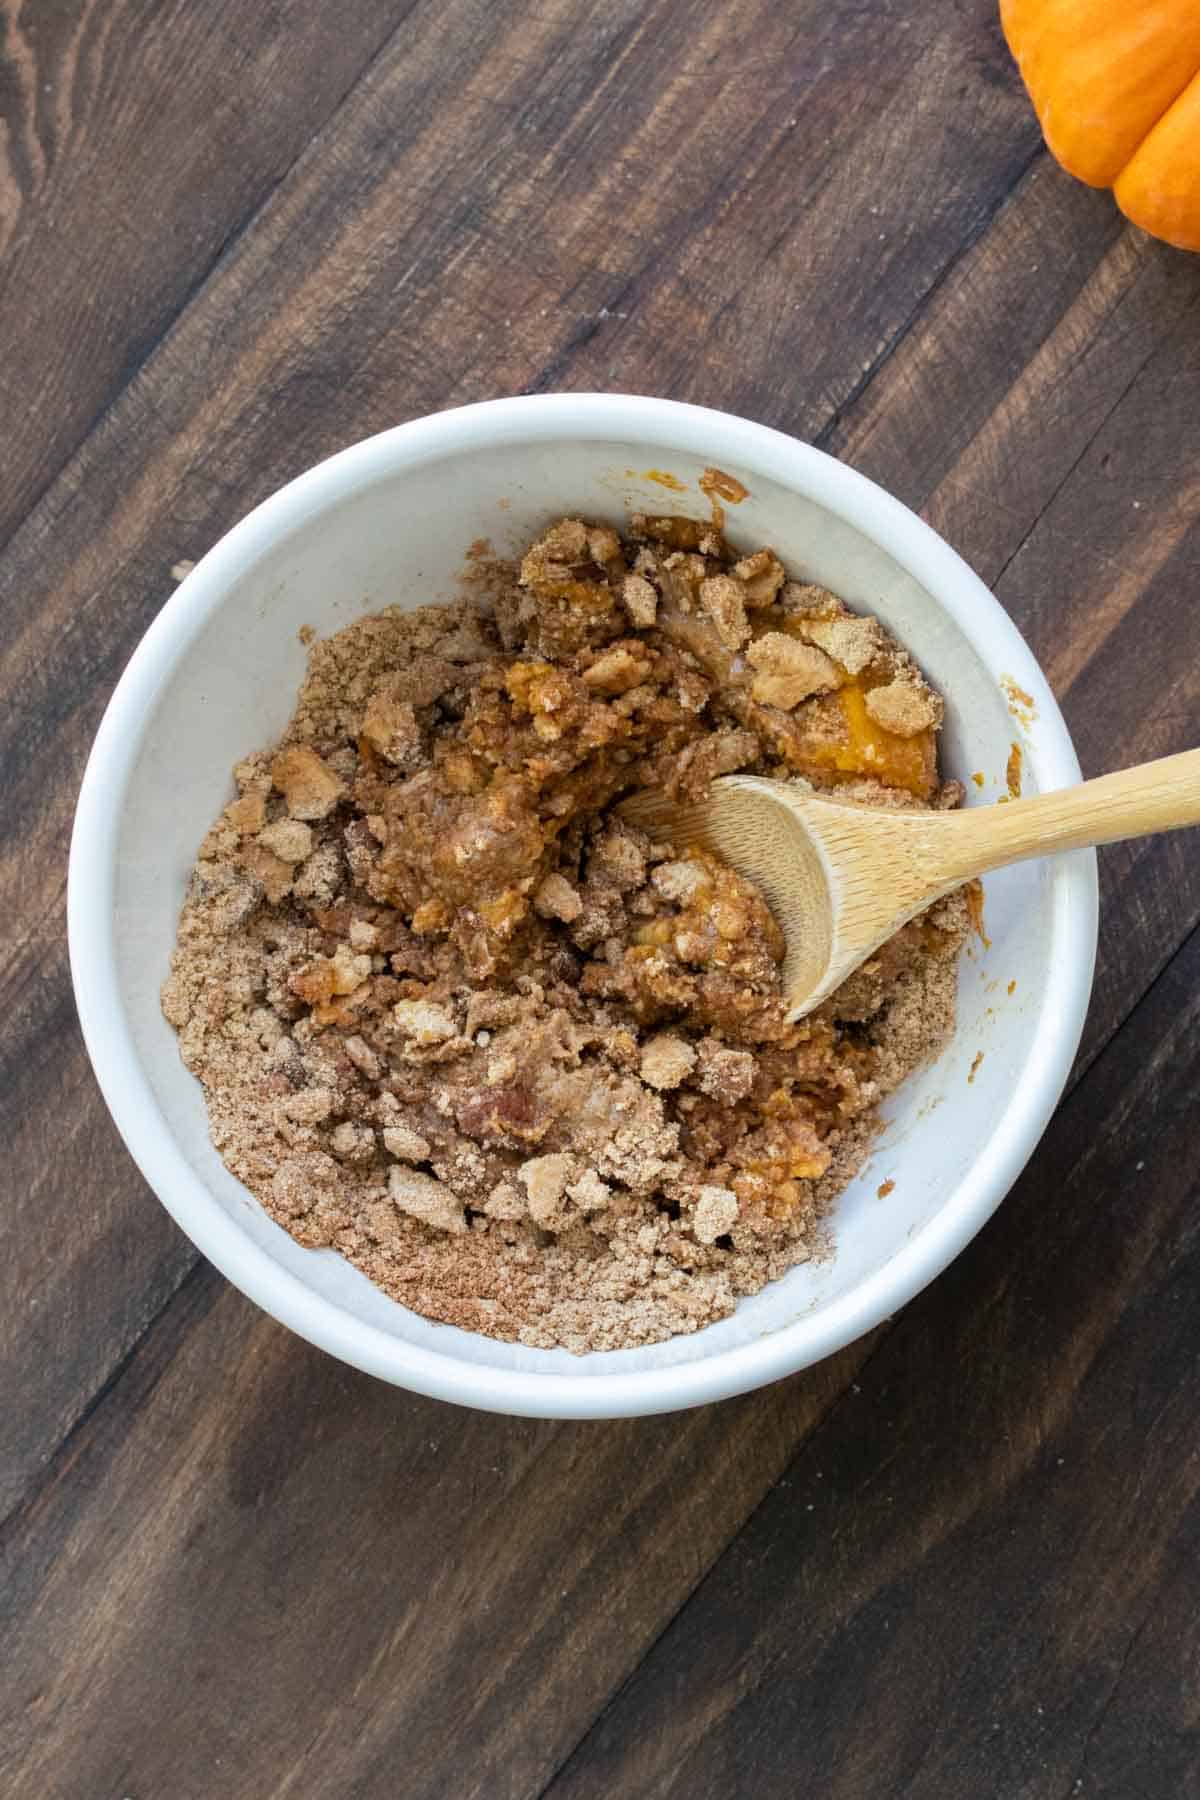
(401, 537)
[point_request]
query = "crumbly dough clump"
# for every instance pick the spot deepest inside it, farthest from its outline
(526, 1068)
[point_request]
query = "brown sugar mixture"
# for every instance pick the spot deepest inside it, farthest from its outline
(525, 1068)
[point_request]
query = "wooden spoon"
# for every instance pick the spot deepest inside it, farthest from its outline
(841, 879)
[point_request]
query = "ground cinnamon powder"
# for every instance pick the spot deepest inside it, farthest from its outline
(525, 1068)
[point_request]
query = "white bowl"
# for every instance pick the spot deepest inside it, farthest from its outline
(390, 520)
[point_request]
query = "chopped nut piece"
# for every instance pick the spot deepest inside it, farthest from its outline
(353, 1143)
(431, 915)
(724, 600)
(589, 1193)
(725, 1074)
(506, 1201)
(805, 599)
(546, 1179)
(716, 1212)
(789, 671)
(300, 1183)
(851, 641)
(566, 542)
(288, 839)
(903, 708)
(310, 1106)
(349, 970)
(275, 875)
(604, 544)
(390, 727)
(680, 881)
(501, 1067)
(247, 813)
(618, 859)
(615, 671)
(364, 1058)
(557, 899)
(641, 601)
(719, 754)
(253, 773)
(423, 1198)
(234, 907)
(318, 878)
(422, 1020)
(761, 575)
(408, 1145)
(666, 1061)
(693, 691)
(309, 786)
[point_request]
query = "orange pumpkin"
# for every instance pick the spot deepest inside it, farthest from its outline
(1116, 85)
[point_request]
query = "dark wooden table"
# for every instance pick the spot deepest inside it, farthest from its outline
(958, 1560)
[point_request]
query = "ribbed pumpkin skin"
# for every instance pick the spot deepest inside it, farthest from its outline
(1116, 87)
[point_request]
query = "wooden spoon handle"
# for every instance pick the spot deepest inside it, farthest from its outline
(1155, 796)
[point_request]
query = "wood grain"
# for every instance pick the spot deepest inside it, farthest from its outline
(141, 136)
(236, 1567)
(970, 1586)
(401, 265)
(328, 1587)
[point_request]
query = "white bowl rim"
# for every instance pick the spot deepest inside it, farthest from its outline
(666, 425)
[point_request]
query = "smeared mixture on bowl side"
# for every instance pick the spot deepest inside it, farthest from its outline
(525, 1068)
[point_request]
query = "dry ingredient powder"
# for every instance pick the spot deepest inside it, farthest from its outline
(526, 1069)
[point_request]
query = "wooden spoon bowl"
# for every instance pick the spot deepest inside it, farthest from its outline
(842, 879)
